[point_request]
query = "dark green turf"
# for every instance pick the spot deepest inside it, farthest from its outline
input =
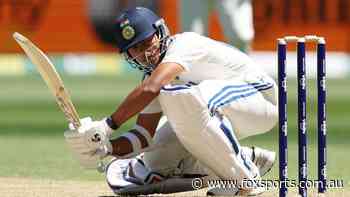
(31, 125)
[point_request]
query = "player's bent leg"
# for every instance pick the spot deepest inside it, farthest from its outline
(207, 137)
(170, 158)
(243, 103)
(253, 109)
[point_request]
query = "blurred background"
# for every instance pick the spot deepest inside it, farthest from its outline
(78, 37)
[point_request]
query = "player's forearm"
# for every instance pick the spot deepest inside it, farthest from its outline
(132, 142)
(121, 146)
(133, 104)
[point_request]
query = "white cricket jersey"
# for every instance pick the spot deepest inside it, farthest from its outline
(204, 59)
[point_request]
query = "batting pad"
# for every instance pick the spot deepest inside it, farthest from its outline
(122, 184)
(206, 137)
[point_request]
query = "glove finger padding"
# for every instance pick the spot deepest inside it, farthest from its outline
(81, 152)
(88, 143)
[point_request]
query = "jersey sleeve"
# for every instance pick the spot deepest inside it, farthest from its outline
(186, 49)
(152, 108)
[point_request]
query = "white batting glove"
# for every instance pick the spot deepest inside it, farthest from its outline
(97, 134)
(90, 142)
(87, 123)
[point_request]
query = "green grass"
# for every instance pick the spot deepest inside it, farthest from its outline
(31, 126)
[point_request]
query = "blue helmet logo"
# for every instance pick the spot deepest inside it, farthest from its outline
(128, 32)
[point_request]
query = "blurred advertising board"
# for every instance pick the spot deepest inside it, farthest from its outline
(82, 25)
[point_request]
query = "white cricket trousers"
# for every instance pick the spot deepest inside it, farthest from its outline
(197, 115)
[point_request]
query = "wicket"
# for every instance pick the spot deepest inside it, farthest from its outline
(321, 106)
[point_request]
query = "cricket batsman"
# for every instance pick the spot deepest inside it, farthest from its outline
(199, 97)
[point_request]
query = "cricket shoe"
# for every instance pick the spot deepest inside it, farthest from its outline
(263, 159)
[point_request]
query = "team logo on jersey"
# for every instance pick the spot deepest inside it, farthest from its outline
(128, 32)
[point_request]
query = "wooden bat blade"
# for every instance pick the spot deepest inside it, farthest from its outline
(42, 62)
(51, 77)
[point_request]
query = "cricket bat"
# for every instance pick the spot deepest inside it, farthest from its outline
(51, 77)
